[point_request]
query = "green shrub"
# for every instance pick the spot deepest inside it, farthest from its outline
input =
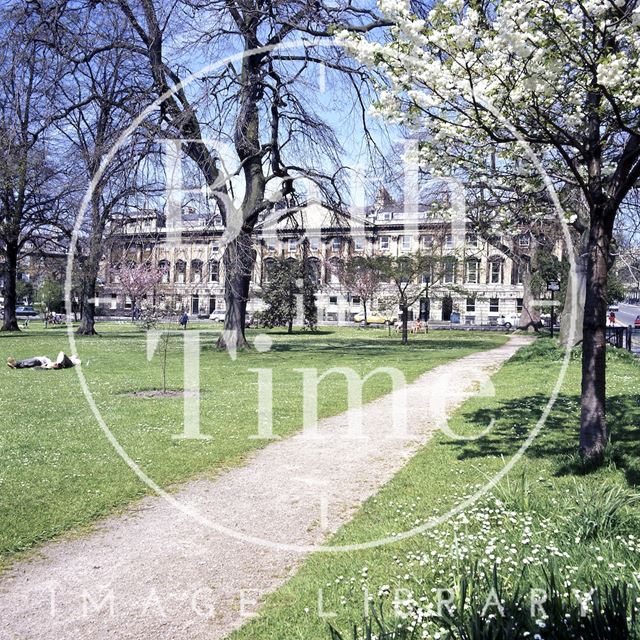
(599, 511)
(607, 612)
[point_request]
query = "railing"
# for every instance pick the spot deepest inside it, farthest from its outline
(633, 339)
(615, 336)
(624, 338)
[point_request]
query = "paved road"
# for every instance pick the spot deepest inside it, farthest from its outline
(627, 314)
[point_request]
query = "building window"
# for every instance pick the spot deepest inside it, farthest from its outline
(336, 244)
(449, 271)
(472, 239)
(214, 271)
(471, 304)
(333, 273)
(165, 267)
(358, 244)
(127, 302)
(181, 269)
(293, 245)
(312, 270)
(114, 301)
(271, 245)
(448, 241)
(333, 299)
(494, 305)
(524, 241)
(519, 271)
(519, 304)
(355, 300)
(495, 271)
(427, 240)
(406, 243)
(473, 271)
(384, 243)
(314, 244)
(267, 266)
(196, 271)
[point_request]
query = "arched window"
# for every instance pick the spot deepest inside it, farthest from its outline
(268, 264)
(333, 272)
(313, 270)
(180, 273)
(196, 271)
(165, 267)
(214, 271)
(495, 270)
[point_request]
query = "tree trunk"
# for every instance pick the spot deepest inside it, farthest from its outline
(91, 269)
(364, 307)
(593, 426)
(530, 315)
(88, 325)
(238, 262)
(10, 322)
(572, 318)
(405, 322)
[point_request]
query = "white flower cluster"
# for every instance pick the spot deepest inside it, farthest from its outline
(489, 535)
(523, 69)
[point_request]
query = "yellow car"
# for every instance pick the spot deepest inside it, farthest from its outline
(372, 318)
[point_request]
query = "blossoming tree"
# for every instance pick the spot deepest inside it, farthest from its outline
(137, 280)
(546, 89)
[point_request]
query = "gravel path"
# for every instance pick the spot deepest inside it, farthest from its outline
(154, 572)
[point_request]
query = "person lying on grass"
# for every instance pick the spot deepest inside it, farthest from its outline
(63, 361)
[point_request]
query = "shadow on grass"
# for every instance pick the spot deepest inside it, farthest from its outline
(558, 439)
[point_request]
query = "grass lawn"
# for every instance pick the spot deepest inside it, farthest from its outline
(58, 472)
(549, 516)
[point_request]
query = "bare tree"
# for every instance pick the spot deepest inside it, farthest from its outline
(31, 185)
(262, 103)
(410, 276)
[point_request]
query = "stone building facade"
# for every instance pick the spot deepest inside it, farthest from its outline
(478, 284)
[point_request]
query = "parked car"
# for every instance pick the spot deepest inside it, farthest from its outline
(372, 318)
(217, 315)
(636, 324)
(26, 312)
(613, 307)
(508, 321)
